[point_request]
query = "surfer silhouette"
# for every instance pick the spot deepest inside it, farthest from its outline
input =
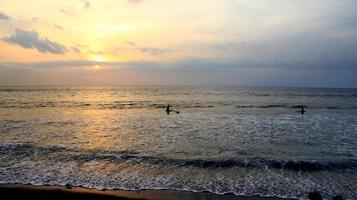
(302, 111)
(168, 110)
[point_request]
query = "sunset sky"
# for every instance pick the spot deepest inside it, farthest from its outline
(179, 42)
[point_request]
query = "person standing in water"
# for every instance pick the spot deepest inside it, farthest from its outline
(168, 109)
(302, 111)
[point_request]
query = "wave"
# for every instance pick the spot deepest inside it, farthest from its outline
(155, 105)
(85, 105)
(350, 93)
(64, 154)
(263, 106)
(295, 107)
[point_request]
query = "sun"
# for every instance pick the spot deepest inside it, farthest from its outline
(98, 58)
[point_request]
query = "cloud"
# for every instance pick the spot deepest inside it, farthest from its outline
(193, 71)
(68, 12)
(31, 40)
(131, 43)
(134, 1)
(154, 51)
(58, 27)
(74, 63)
(190, 65)
(35, 19)
(3, 16)
(75, 49)
(75, 7)
(86, 3)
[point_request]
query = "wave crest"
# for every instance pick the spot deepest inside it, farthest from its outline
(20, 151)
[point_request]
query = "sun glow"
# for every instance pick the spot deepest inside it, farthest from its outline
(98, 58)
(123, 27)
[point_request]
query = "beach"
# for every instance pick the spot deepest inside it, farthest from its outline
(31, 192)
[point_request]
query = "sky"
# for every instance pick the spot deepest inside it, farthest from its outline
(279, 43)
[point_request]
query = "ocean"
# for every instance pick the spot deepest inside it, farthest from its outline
(245, 141)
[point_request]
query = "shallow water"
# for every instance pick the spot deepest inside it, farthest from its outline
(245, 141)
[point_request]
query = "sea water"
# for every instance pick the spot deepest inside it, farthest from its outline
(246, 141)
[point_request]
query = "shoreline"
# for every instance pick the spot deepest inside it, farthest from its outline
(27, 191)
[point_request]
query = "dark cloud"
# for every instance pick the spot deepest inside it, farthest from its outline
(199, 71)
(3, 16)
(192, 65)
(32, 40)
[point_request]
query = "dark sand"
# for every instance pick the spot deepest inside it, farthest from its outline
(25, 192)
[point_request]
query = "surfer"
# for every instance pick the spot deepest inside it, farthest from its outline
(168, 110)
(302, 111)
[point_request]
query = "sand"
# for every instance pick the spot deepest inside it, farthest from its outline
(25, 192)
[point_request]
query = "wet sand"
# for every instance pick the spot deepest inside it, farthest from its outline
(25, 192)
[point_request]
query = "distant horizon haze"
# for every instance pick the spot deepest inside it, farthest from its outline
(173, 86)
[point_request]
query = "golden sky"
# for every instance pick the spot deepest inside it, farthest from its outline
(65, 40)
(109, 30)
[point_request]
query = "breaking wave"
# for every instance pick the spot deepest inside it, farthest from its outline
(63, 154)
